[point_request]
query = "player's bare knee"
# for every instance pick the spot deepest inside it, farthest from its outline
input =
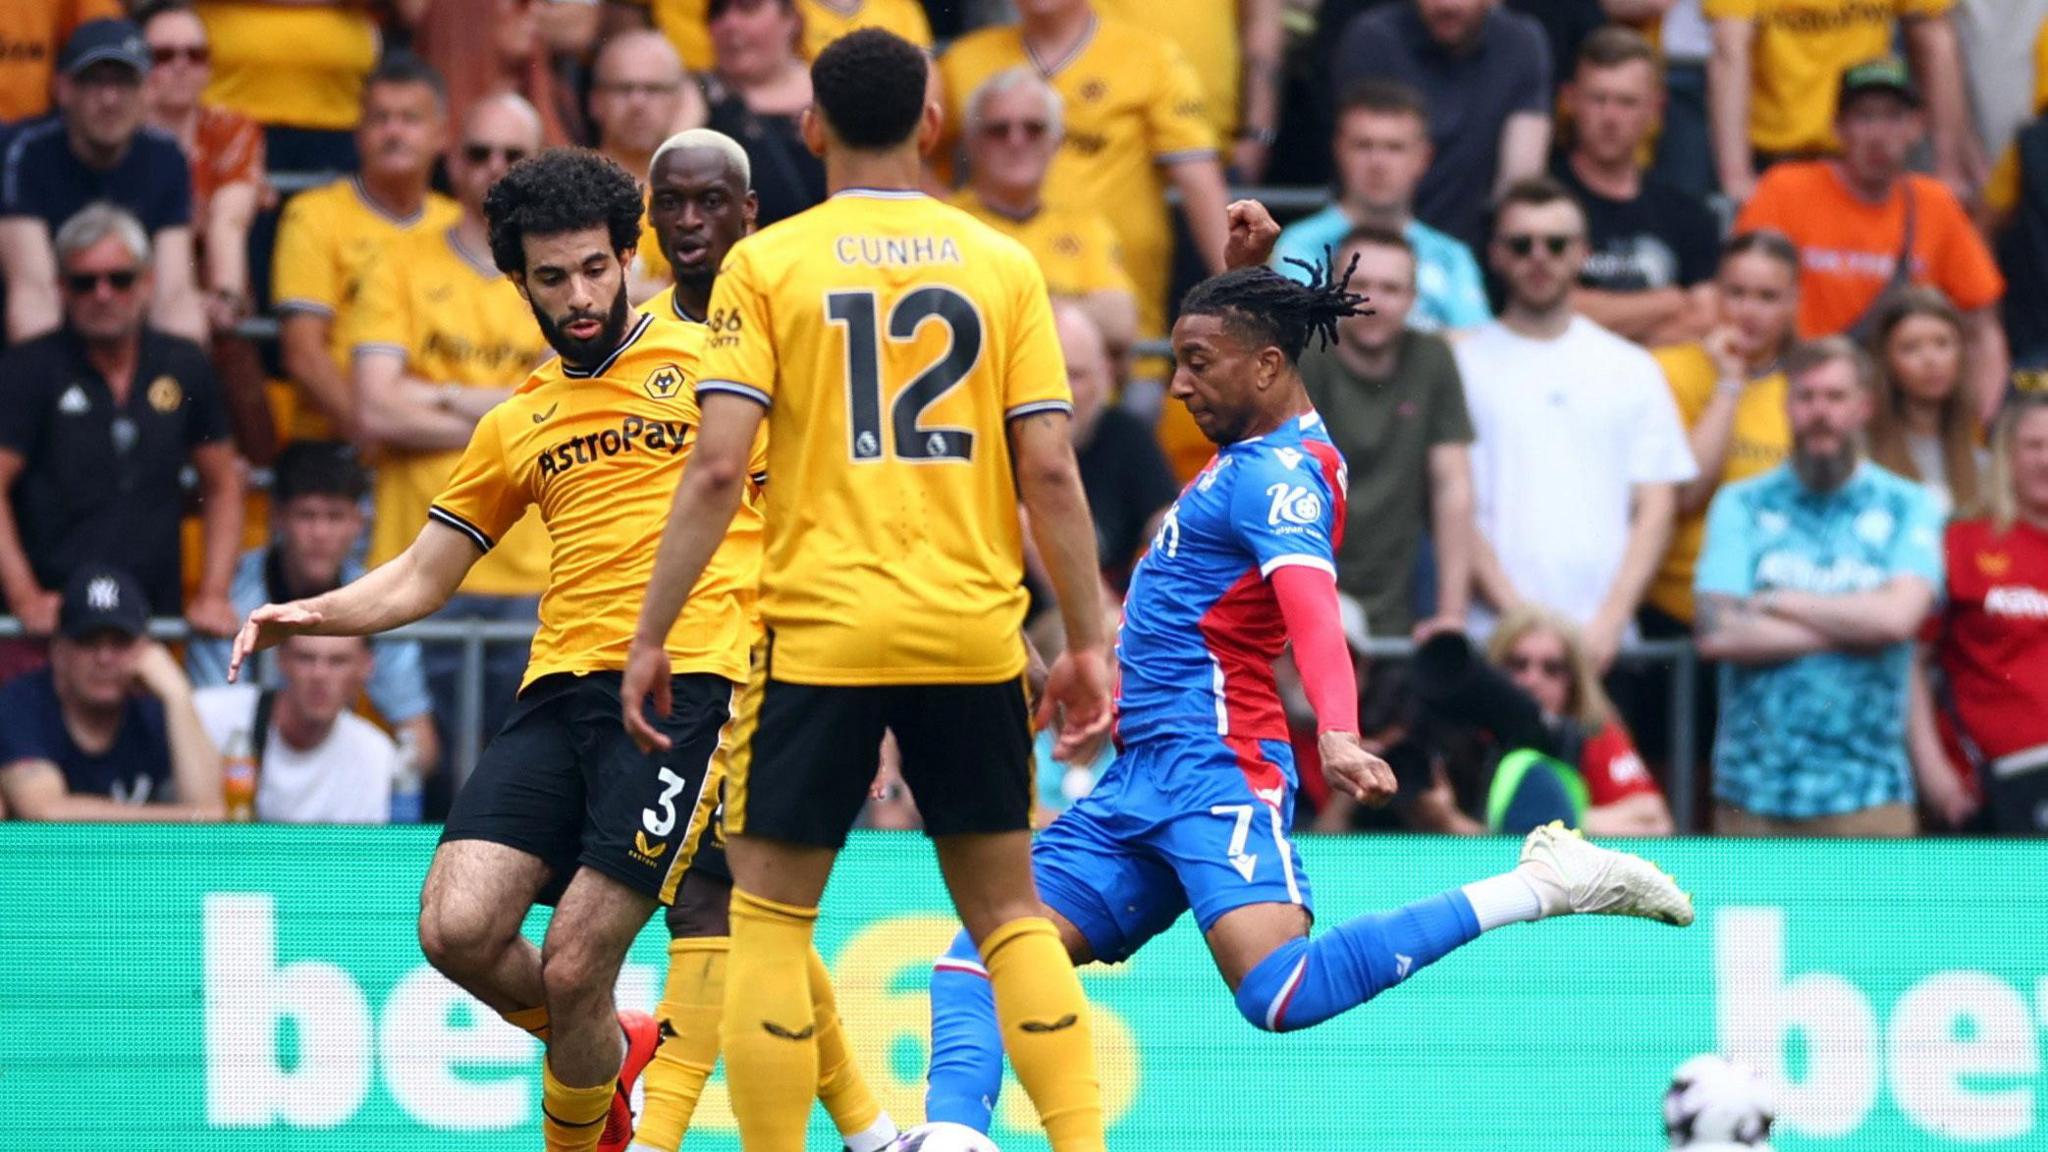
(459, 940)
(569, 970)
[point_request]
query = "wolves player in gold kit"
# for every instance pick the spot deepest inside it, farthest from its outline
(903, 356)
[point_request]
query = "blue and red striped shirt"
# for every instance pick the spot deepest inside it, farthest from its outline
(1201, 626)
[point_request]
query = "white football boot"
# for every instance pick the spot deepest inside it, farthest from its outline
(1571, 874)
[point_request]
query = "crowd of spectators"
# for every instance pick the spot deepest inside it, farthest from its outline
(1715, 321)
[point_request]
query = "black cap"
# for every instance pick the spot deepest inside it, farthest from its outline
(1883, 74)
(97, 40)
(100, 598)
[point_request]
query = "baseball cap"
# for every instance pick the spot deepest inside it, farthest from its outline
(1883, 74)
(101, 598)
(97, 40)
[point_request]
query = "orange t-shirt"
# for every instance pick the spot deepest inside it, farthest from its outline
(1848, 246)
(32, 32)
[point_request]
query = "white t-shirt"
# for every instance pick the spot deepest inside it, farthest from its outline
(346, 780)
(1564, 429)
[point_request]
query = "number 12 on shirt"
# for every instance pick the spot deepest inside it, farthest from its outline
(856, 311)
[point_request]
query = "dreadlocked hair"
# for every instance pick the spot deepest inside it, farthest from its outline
(1274, 309)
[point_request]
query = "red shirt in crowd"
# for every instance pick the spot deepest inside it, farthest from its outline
(1992, 645)
(1612, 768)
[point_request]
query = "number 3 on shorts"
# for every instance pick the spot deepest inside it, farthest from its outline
(663, 822)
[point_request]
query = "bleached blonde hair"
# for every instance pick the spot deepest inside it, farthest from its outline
(727, 147)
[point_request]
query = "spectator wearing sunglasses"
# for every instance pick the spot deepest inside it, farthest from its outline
(97, 148)
(1540, 651)
(1014, 128)
(225, 152)
(1579, 445)
(103, 415)
(224, 149)
(438, 338)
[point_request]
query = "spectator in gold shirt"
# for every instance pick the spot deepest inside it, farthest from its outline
(1014, 127)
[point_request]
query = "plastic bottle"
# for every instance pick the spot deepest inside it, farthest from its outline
(407, 806)
(238, 776)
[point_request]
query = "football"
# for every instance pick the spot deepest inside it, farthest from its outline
(942, 1136)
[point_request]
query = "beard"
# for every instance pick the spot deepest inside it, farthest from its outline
(1825, 471)
(586, 353)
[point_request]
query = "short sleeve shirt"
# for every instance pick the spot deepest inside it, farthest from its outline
(41, 179)
(1848, 247)
(1801, 49)
(1386, 429)
(1469, 96)
(101, 479)
(1128, 482)
(1565, 430)
(1449, 291)
(136, 770)
(1823, 734)
(1663, 238)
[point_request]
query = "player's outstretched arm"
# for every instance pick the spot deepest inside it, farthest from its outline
(1049, 480)
(1308, 604)
(706, 498)
(411, 585)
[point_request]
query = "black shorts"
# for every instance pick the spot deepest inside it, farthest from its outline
(562, 781)
(804, 755)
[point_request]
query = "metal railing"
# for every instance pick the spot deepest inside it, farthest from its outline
(473, 637)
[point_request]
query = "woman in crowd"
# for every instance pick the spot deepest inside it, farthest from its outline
(1540, 651)
(759, 87)
(1978, 728)
(224, 149)
(1731, 396)
(1925, 427)
(225, 152)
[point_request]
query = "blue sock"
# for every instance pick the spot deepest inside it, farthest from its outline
(1308, 980)
(967, 1046)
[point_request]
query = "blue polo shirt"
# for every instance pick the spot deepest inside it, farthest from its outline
(1823, 734)
(1449, 292)
(136, 770)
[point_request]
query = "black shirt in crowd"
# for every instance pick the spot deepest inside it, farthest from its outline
(1128, 483)
(1663, 238)
(102, 482)
(40, 177)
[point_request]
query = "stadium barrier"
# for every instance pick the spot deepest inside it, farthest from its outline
(252, 988)
(474, 635)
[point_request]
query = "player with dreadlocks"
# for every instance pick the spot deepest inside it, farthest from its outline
(1196, 810)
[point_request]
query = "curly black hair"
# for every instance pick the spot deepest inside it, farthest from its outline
(870, 86)
(560, 190)
(1269, 308)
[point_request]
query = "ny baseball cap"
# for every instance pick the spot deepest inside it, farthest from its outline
(97, 40)
(100, 598)
(1884, 74)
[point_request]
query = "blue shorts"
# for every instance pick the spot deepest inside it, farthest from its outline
(1200, 822)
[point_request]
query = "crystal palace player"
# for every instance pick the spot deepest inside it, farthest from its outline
(1196, 812)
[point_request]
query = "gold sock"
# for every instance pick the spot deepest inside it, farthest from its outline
(769, 1030)
(841, 1087)
(1044, 1018)
(572, 1119)
(691, 1002)
(532, 1021)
